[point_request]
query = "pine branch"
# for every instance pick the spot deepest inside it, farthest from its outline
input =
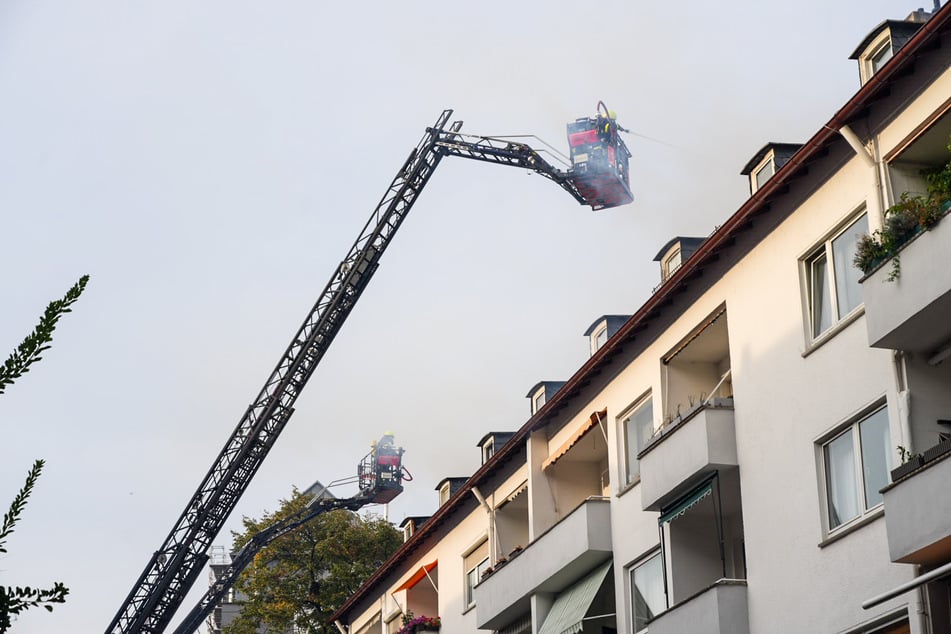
(14, 600)
(19, 502)
(28, 352)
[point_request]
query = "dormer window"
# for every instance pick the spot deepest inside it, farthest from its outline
(767, 162)
(408, 531)
(542, 392)
(884, 41)
(492, 442)
(602, 329)
(673, 254)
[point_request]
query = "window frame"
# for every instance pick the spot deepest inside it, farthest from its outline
(823, 250)
(669, 265)
(488, 450)
(852, 427)
(539, 398)
(468, 594)
(596, 337)
(627, 478)
(875, 48)
(654, 554)
(768, 161)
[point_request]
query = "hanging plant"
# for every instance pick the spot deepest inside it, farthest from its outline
(903, 221)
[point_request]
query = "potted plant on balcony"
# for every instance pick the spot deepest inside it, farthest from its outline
(413, 624)
(905, 220)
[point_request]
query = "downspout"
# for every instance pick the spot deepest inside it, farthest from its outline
(490, 513)
(876, 215)
(872, 158)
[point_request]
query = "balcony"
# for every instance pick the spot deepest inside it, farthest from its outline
(551, 563)
(685, 452)
(917, 508)
(911, 312)
(720, 609)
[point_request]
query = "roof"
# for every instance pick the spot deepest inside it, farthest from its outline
(901, 30)
(708, 254)
(782, 150)
(499, 436)
(611, 319)
(686, 244)
(547, 384)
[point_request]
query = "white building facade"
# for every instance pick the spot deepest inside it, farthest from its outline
(722, 463)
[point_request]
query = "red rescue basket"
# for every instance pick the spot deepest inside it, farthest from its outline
(599, 160)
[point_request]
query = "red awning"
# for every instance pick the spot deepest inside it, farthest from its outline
(417, 576)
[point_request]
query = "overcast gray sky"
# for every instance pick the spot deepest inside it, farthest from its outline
(209, 164)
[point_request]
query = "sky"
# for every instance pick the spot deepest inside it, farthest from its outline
(209, 164)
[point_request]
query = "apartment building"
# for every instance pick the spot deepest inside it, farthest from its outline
(760, 447)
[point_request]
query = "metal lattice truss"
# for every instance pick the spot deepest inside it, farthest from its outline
(174, 567)
(503, 152)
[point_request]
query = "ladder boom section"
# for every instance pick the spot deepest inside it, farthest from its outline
(226, 579)
(174, 567)
(502, 152)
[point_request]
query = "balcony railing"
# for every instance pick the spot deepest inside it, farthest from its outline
(552, 562)
(686, 452)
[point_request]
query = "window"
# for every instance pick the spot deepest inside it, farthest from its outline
(855, 466)
(671, 263)
(599, 339)
(877, 59)
(638, 427)
(763, 174)
(647, 591)
(475, 564)
(488, 450)
(832, 282)
(444, 493)
(538, 400)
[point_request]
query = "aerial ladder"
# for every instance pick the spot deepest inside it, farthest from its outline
(380, 479)
(598, 177)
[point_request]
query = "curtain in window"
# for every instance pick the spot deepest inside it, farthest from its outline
(840, 480)
(848, 291)
(875, 451)
(821, 300)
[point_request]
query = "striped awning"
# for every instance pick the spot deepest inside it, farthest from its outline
(593, 420)
(567, 612)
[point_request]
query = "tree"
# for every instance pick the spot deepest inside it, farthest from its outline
(303, 577)
(17, 599)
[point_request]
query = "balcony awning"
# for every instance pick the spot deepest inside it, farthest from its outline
(686, 504)
(591, 423)
(567, 612)
(709, 321)
(418, 576)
